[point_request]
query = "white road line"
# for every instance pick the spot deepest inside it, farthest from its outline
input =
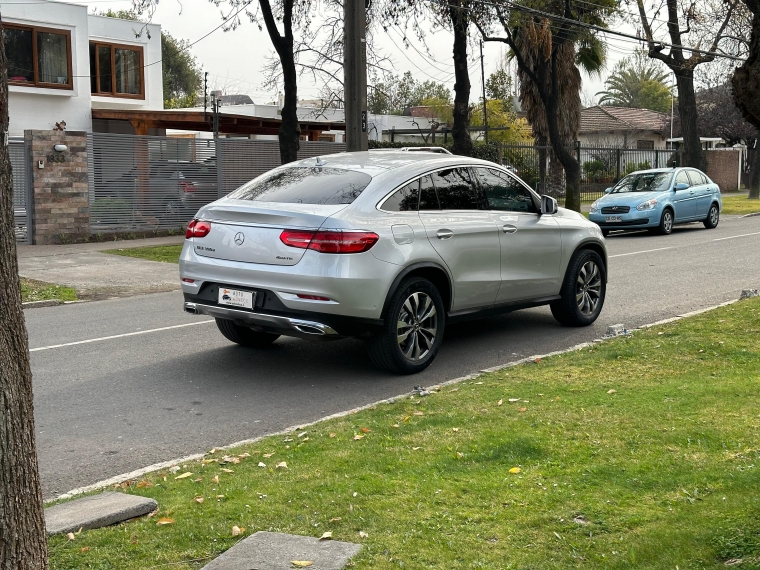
(638, 252)
(733, 237)
(118, 336)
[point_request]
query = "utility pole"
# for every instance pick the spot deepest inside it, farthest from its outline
(205, 95)
(355, 73)
(483, 79)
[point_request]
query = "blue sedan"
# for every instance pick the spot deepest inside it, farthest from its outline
(658, 199)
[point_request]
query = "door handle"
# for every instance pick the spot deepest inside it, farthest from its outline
(509, 229)
(444, 234)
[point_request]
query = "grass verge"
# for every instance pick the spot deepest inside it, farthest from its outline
(642, 452)
(740, 205)
(32, 290)
(163, 253)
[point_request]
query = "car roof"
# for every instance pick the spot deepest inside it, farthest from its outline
(668, 169)
(374, 163)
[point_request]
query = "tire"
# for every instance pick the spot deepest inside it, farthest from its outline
(666, 223)
(713, 217)
(245, 336)
(417, 314)
(583, 290)
(605, 233)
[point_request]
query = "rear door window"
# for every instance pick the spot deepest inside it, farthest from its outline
(428, 197)
(404, 199)
(504, 193)
(305, 185)
(456, 190)
(697, 178)
(683, 177)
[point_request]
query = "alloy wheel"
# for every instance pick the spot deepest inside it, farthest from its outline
(417, 326)
(667, 221)
(588, 288)
(714, 215)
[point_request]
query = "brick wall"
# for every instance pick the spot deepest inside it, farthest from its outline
(723, 168)
(61, 196)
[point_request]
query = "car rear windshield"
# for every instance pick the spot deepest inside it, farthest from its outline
(644, 182)
(305, 185)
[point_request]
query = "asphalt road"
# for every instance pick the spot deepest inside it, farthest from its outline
(111, 406)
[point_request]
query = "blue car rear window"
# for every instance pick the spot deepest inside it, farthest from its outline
(305, 185)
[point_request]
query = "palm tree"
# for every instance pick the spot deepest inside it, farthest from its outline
(637, 82)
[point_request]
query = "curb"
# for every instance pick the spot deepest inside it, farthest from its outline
(197, 456)
(752, 215)
(39, 304)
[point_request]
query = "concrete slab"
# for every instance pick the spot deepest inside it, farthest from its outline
(96, 511)
(276, 551)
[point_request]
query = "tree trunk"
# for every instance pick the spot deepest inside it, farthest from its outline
(459, 23)
(542, 144)
(565, 157)
(687, 112)
(754, 171)
(290, 131)
(23, 542)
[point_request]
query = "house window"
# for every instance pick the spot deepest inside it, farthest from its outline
(38, 57)
(645, 145)
(116, 70)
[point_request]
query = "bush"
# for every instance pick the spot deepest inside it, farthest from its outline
(634, 166)
(594, 169)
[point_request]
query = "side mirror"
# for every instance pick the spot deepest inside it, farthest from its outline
(680, 186)
(548, 205)
(608, 190)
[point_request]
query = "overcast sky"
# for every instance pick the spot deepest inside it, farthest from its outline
(234, 59)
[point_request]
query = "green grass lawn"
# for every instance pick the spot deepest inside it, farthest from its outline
(32, 290)
(739, 205)
(164, 253)
(642, 452)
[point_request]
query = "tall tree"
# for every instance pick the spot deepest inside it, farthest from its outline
(548, 55)
(394, 95)
(705, 24)
(637, 82)
(23, 542)
(745, 82)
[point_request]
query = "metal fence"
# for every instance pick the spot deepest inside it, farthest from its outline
(22, 205)
(601, 167)
(139, 183)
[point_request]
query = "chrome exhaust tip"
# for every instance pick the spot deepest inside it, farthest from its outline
(191, 308)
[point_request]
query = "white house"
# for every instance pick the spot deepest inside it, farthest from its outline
(623, 127)
(64, 62)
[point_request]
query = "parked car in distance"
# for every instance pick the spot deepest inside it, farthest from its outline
(657, 200)
(389, 247)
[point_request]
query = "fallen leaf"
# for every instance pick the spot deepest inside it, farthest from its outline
(515, 470)
(416, 448)
(363, 534)
(198, 499)
(197, 479)
(261, 464)
(81, 528)
(522, 409)
(454, 429)
(419, 413)
(164, 520)
(71, 536)
(174, 469)
(301, 563)
(326, 536)
(394, 426)
(220, 497)
(358, 436)
(242, 455)
(333, 434)
(144, 484)
(454, 390)
(352, 412)
(513, 400)
(500, 402)
(207, 461)
(365, 430)
(478, 383)
(281, 465)
(183, 476)
(335, 519)
(227, 470)
(268, 455)
(611, 391)
(85, 549)
(215, 479)
(214, 450)
(537, 360)
(460, 455)
(304, 439)
(236, 531)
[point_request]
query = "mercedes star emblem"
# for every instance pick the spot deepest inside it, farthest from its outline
(239, 238)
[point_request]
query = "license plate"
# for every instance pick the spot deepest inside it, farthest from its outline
(235, 298)
(613, 219)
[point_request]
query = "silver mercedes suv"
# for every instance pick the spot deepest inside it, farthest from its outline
(390, 247)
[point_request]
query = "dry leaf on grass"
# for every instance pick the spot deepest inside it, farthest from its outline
(164, 520)
(262, 464)
(394, 426)
(207, 461)
(237, 531)
(500, 402)
(363, 534)
(281, 465)
(335, 519)
(242, 455)
(454, 429)
(416, 448)
(197, 479)
(227, 470)
(301, 563)
(183, 476)
(326, 536)
(358, 436)
(513, 400)
(460, 455)
(85, 549)
(611, 391)
(268, 455)
(419, 413)
(198, 499)
(365, 430)
(515, 470)
(522, 409)
(215, 479)
(71, 536)
(144, 484)
(333, 434)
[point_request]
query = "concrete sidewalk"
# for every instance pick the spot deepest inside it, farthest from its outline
(97, 275)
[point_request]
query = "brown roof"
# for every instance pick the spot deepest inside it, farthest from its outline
(604, 119)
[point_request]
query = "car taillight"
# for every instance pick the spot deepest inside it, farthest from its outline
(187, 186)
(197, 229)
(335, 241)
